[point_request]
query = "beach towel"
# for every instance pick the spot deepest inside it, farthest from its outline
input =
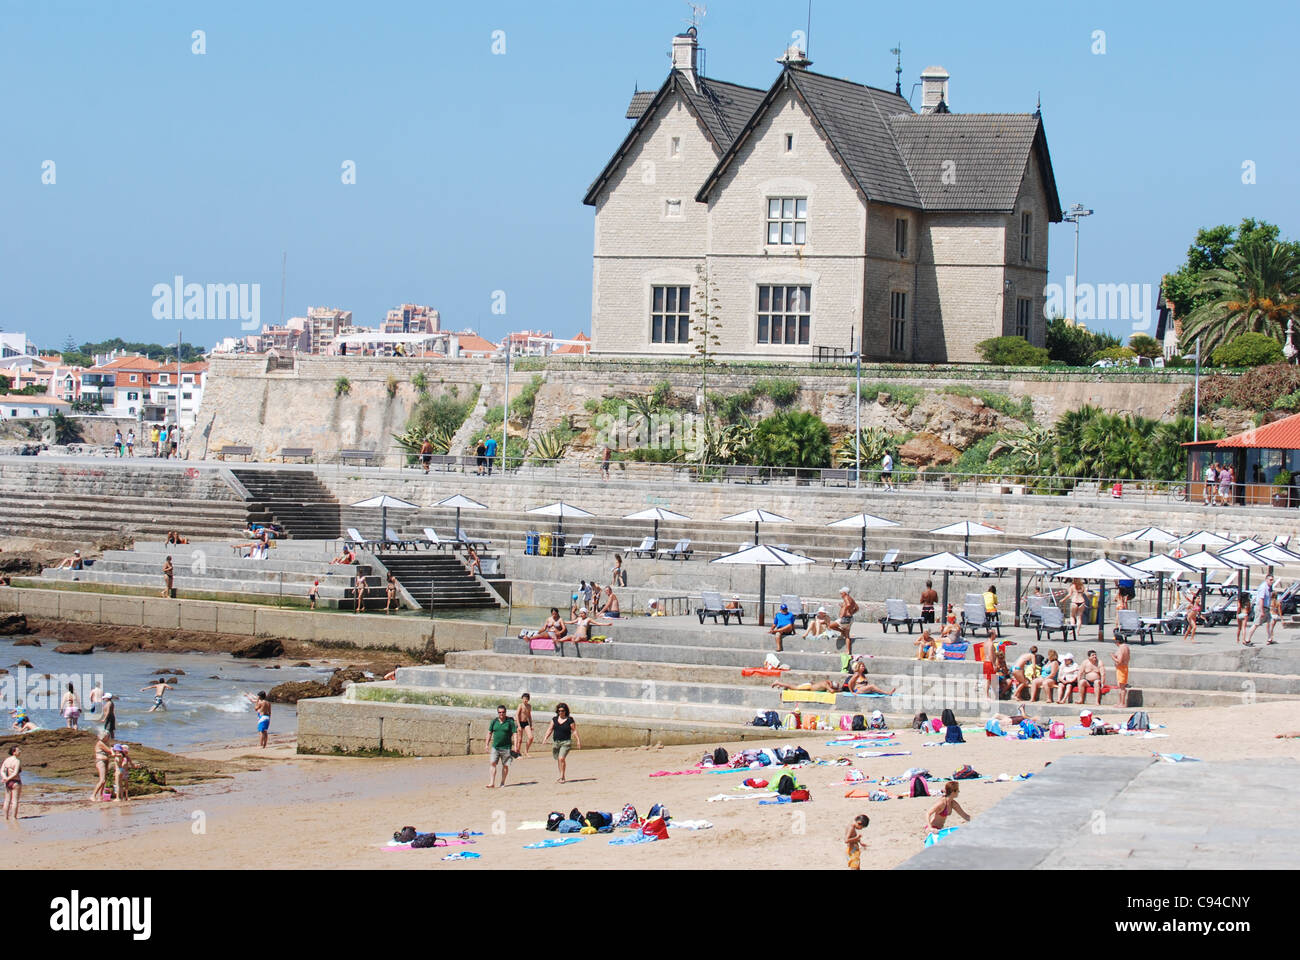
(394, 845)
(532, 825)
(462, 855)
(635, 838)
(877, 754)
(847, 694)
(733, 796)
(469, 833)
(934, 838)
(1177, 758)
(773, 801)
(541, 643)
(761, 671)
(551, 842)
(806, 696)
(860, 793)
(692, 825)
(675, 773)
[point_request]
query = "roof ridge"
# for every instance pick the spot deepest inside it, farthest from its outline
(854, 83)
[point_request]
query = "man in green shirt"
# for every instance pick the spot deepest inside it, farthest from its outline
(500, 744)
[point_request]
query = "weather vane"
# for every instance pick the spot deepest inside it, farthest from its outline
(898, 69)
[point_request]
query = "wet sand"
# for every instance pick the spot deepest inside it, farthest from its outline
(327, 812)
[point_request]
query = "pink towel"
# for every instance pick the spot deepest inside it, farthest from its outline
(541, 643)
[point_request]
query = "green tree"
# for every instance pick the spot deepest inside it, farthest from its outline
(1118, 354)
(793, 439)
(1248, 350)
(1256, 290)
(1209, 252)
(1011, 352)
(1144, 345)
(1072, 345)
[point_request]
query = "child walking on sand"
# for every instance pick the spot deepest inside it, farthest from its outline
(853, 840)
(524, 718)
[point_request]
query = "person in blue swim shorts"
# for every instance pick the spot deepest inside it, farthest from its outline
(263, 708)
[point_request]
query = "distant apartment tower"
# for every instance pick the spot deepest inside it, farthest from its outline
(325, 323)
(411, 318)
(293, 337)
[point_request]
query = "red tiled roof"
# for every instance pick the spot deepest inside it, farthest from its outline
(1279, 435)
(473, 343)
(575, 347)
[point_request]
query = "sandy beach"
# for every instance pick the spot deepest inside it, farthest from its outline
(320, 812)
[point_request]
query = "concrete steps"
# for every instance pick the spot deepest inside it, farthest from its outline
(302, 506)
(438, 580)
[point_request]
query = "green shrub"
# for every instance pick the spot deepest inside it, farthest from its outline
(420, 382)
(661, 397)
(901, 394)
(1118, 354)
(792, 439)
(1248, 350)
(781, 391)
(1011, 352)
(1289, 402)
(1256, 389)
(522, 406)
(342, 387)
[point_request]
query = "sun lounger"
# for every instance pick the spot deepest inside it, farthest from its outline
(711, 606)
(401, 543)
(854, 559)
(896, 615)
(357, 540)
(975, 617)
(890, 559)
(469, 541)
(1033, 609)
(795, 606)
(1129, 624)
(646, 549)
(433, 541)
(587, 545)
(1051, 621)
(680, 551)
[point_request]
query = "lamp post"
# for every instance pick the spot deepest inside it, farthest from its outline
(857, 421)
(1196, 402)
(1077, 212)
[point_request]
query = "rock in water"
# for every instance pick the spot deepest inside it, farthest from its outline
(259, 648)
(27, 642)
(77, 648)
(23, 663)
(297, 690)
(12, 623)
(341, 677)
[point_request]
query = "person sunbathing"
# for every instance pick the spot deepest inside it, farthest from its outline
(926, 647)
(553, 627)
(584, 623)
(73, 562)
(818, 625)
(349, 556)
(1046, 682)
(856, 682)
(1068, 679)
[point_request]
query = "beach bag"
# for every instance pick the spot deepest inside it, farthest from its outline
(791, 722)
(655, 827)
(425, 840)
(859, 722)
(953, 734)
(794, 755)
(405, 835)
(628, 817)
(846, 722)
(659, 811)
(720, 757)
(1056, 731)
(597, 819)
(1030, 731)
(936, 724)
(553, 821)
(799, 796)
(994, 729)
(965, 772)
(919, 788)
(769, 718)
(878, 724)
(1139, 721)
(574, 814)
(920, 721)
(569, 826)
(786, 785)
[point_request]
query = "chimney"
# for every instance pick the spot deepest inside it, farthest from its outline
(685, 48)
(934, 89)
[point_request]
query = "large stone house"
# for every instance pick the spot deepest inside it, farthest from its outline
(820, 213)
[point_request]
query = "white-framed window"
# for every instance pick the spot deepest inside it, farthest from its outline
(900, 236)
(1024, 311)
(672, 209)
(787, 220)
(1027, 237)
(164, 378)
(789, 143)
(784, 315)
(674, 147)
(670, 315)
(133, 378)
(898, 321)
(188, 378)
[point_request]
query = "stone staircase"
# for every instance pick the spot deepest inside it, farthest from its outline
(438, 581)
(294, 499)
(670, 671)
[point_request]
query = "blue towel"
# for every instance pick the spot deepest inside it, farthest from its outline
(471, 833)
(552, 842)
(934, 838)
(775, 800)
(635, 838)
(462, 855)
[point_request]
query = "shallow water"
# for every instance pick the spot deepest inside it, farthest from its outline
(206, 706)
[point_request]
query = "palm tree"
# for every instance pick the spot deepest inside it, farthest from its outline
(1257, 290)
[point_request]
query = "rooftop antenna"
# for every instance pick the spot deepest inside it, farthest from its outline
(898, 69)
(1038, 110)
(807, 36)
(698, 12)
(284, 267)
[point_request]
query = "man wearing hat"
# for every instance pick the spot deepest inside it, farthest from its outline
(73, 562)
(782, 625)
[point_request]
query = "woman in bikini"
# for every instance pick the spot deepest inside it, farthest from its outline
(855, 682)
(11, 772)
(583, 624)
(71, 707)
(554, 626)
(1078, 599)
(1275, 606)
(1243, 616)
(941, 811)
(103, 757)
(1193, 613)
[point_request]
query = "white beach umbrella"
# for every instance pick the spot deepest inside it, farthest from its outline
(1102, 570)
(656, 514)
(1205, 540)
(967, 529)
(763, 556)
(561, 510)
(1149, 535)
(1019, 561)
(863, 522)
(460, 502)
(756, 517)
(1205, 561)
(1280, 556)
(946, 563)
(1067, 534)
(384, 502)
(1161, 565)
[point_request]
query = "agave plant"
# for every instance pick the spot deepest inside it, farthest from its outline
(1032, 450)
(411, 441)
(875, 442)
(551, 445)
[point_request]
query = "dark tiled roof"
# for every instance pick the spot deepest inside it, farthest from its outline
(856, 120)
(640, 100)
(723, 108)
(989, 153)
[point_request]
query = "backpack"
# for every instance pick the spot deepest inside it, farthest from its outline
(768, 718)
(1030, 731)
(965, 772)
(920, 722)
(574, 814)
(920, 788)
(795, 755)
(859, 722)
(1139, 721)
(720, 757)
(799, 796)
(953, 734)
(628, 817)
(1056, 731)
(659, 811)
(405, 835)
(598, 820)
(553, 821)
(786, 785)
(425, 840)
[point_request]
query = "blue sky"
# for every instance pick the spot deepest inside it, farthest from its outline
(471, 167)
